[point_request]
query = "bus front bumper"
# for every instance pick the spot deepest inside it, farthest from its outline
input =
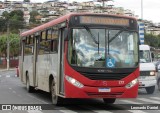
(100, 92)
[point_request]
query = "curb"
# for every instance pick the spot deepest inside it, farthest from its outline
(8, 70)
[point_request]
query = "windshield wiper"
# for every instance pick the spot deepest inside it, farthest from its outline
(93, 37)
(117, 34)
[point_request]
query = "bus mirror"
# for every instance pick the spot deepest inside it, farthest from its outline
(158, 68)
(152, 54)
(66, 32)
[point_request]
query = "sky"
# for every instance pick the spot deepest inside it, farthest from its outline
(151, 8)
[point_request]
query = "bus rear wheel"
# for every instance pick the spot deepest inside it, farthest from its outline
(150, 90)
(30, 89)
(109, 100)
(56, 100)
(158, 84)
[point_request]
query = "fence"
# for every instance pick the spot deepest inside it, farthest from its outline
(13, 63)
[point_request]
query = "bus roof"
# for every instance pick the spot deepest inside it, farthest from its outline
(62, 19)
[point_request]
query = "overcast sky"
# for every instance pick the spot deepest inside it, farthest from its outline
(151, 8)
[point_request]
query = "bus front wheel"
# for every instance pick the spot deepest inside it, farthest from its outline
(56, 100)
(150, 90)
(109, 100)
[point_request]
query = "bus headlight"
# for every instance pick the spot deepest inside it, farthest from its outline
(74, 82)
(152, 73)
(132, 83)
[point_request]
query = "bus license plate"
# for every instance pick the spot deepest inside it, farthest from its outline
(142, 77)
(104, 90)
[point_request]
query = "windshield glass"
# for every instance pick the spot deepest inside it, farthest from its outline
(145, 56)
(101, 48)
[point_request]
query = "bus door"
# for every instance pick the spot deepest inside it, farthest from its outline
(35, 81)
(21, 60)
(60, 80)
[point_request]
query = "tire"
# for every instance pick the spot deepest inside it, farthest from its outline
(30, 89)
(56, 100)
(150, 90)
(109, 100)
(158, 83)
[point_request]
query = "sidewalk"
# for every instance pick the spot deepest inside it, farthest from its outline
(11, 69)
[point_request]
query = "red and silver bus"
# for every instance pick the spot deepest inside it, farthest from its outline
(82, 55)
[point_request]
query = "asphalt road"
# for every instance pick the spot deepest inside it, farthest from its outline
(12, 91)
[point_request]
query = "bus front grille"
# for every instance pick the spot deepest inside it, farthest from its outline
(105, 76)
(105, 95)
(144, 73)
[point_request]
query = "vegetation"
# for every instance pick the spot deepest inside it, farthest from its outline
(14, 20)
(33, 15)
(14, 45)
(152, 40)
(26, 0)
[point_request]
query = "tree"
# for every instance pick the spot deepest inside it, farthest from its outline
(14, 19)
(152, 40)
(14, 45)
(3, 46)
(158, 38)
(6, 15)
(16, 15)
(33, 14)
(26, 1)
(3, 27)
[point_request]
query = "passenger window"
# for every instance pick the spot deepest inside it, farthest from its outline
(28, 49)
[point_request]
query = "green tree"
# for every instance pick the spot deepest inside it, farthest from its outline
(158, 38)
(14, 45)
(3, 46)
(3, 27)
(16, 15)
(33, 14)
(152, 40)
(26, 0)
(6, 15)
(14, 19)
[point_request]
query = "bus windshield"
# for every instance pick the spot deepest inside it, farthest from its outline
(145, 56)
(103, 48)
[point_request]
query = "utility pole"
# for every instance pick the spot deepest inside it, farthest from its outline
(142, 9)
(8, 45)
(103, 3)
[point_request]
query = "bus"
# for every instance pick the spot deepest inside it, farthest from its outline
(82, 55)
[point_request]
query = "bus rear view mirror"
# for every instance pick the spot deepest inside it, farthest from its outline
(66, 33)
(152, 54)
(158, 67)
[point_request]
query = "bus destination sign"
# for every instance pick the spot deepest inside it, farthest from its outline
(104, 20)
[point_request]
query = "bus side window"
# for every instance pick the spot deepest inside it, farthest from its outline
(54, 42)
(28, 48)
(44, 47)
(54, 46)
(47, 48)
(44, 35)
(54, 33)
(49, 34)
